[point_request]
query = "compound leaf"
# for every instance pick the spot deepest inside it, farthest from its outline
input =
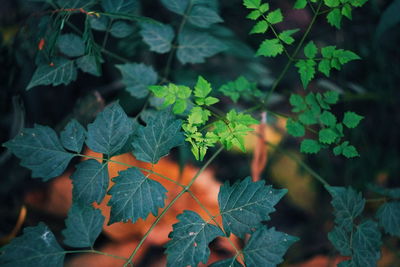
(73, 136)
(203, 17)
(40, 150)
(134, 196)
(189, 240)
(36, 247)
(110, 130)
(83, 226)
(157, 36)
(194, 46)
(160, 135)
(90, 182)
(389, 218)
(137, 77)
(71, 45)
(60, 71)
(266, 247)
(245, 204)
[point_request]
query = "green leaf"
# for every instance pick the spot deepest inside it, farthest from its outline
(158, 36)
(286, 36)
(308, 118)
(348, 204)
(89, 64)
(341, 240)
(245, 204)
(189, 240)
(110, 130)
(306, 71)
(36, 247)
(198, 116)
(260, 27)
(310, 50)
(119, 6)
(331, 97)
(310, 146)
(388, 18)
(266, 247)
(254, 15)
(327, 136)
(295, 128)
(121, 29)
(389, 217)
(345, 56)
(203, 17)
(202, 88)
(275, 16)
(328, 118)
(240, 118)
(90, 182)
(134, 196)
(350, 152)
(346, 11)
(137, 77)
(40, 150)
(358, 3)
(252, 4)
(332, 3)
(327, 51)
(83, 226)
(71, 45)
(99, 24)
(73, 136)
(241, 87)
(351, 119)
(270, 48)
(160, 135)
(324, 66)
(389, 192)
(61, 71)
(366, 244)
(297, 102)
(334, 17)
(176, 6)
(195, 46)
(231, 262)
(300, 4)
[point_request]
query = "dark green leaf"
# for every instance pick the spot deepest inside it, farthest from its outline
(297, 102)
(327, 136)
(245, 204)
(73, 136)
(389, 217)
(308, 118)
(83, 226)
(203, 17)
(295, 128)
(110, 130)
(331, 97)
(76, 3)
(366, 244)
(137, 77)
(121, 29)
(90, 182)
(341, 240)
(119, 6)
(389, 192)
(71, 45)
(36, 247)
(40, 150)
(266, 247)
(350, 152)
(157, 36)
(160, 135)
(176, 6)
(61, 71)
(99, 24)
(328, 118)
(134, 196)
(310, 146)
(189, 240)
(389, 18)
(89, 64)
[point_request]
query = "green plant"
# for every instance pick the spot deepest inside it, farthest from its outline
(245, 205)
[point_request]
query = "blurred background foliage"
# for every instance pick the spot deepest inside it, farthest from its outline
(369, 87)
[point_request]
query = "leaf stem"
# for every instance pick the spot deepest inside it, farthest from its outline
(159, 217)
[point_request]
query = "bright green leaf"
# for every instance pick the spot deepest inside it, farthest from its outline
(254, 15)
(295, 128)
(310, 50)
(350, 152)
(73, 136)
(275, 16)
(351, 119)
(198, 116)
(270, 48)
(310, 146)
(334, 17)
(332, 3)
(331, 97)
(137, 77)
(306, 69)
(345, 56)
(158, 36)
(297, 102)
(324, 66)
(260, 27)
(328, 118)
(286, 36)
(252, 4)
(346, 11)
(300, 4)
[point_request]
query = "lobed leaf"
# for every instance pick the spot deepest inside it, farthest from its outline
(270, 48)
(137, 77)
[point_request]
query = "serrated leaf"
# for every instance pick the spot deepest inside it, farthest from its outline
(119, 6)
(232, 262)
(358, 3)
(137, 77)
(327, 136)
(83, 226)
(90, 182)
(40, 151)
(254, 15)
(331, 97)
(160, 135)
(176, 6)
(260, 27)
(366, 244)
(297, 102)
(346, 11)
(89, 64)
(270, 48)
(350, 152)
(73, 136)
(203, 17)
(195, 46)
(252, 4)
(275, 16)
(241, 87)
(324, 66)
(158, 36)
(198, 116)
(389, 217)
(202, 88)
(60, 71)
(266, 247)
(341, 240)
(286, 36)
(245, 204)
(310, 146)
(189, 240)
(334, 18)
(110, 130)
(121, 29)
(345, 56)
(295, 128)
(348, 204)
(310, 50)
(134, 196)
(332, 3)
(71, 45)
(351, 119)
(300, 4)
(306, 69)
(308, 118)
(37, 246)
(328, 118)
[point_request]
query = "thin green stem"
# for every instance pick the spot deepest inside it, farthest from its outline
(311, 6)
(296, 51)
(184, 190)
(103, 46)
(380, 199)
